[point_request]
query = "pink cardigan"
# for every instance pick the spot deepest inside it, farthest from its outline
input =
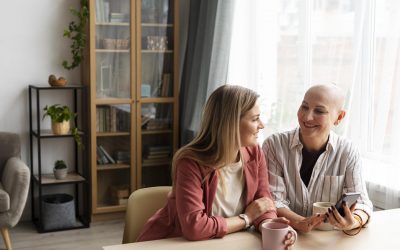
(188, 208)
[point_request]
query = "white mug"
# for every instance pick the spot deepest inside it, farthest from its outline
(322, 208)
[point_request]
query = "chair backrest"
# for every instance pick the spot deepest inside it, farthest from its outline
(10, 146)
(142, 204)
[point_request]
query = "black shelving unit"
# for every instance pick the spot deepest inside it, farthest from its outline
(77, 182)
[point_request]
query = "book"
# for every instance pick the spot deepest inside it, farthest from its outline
(159, 156)
(108, 156)
(122, 157)
(151, 162)
(145, 120)
(165, 84)
(100, 158)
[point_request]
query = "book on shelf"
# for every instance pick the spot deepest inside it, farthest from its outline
(108, 156)
(116, 17)
(157, 152)
(161, 152)
(100, 157)
(122, 157)
(103, 157)
(165, 85)
(145, 120)
(155, 124)
(161, 161)
(157, 148)
(112, 118)
(157, 156)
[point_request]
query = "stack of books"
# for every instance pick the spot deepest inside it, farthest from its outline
(122, 157)
(156, 154)
(116, 17)
(119, 194)
(158, 124)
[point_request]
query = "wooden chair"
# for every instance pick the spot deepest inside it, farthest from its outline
(142, 204)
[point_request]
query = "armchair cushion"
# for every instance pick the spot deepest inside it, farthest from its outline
(10, 146)
(4, 200)
(15, 180)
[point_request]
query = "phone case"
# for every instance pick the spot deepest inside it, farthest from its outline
(349, 198)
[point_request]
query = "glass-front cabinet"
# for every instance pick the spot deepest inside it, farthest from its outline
(133, 97)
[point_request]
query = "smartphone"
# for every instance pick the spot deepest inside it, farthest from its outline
(349, 198)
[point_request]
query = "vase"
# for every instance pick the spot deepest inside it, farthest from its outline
(60, 174)
(60, 128)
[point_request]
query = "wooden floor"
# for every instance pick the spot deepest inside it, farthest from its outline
(25, 236)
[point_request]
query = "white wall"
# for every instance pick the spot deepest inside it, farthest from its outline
(32, 47)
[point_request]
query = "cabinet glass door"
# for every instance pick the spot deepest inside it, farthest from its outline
(157, 45)
(113, 48)
(113, 154)
(156, 81)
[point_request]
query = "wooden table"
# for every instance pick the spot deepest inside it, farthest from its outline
(383, 232)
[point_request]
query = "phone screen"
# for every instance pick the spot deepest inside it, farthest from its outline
(349, 198)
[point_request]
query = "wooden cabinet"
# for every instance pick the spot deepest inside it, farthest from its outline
(43, 182)
(133, 97)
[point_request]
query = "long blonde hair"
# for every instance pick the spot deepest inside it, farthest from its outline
(218, 138)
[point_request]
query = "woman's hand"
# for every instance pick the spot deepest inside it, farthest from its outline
(258, 207)
(290, 238)
(344, 223)
(308, 223)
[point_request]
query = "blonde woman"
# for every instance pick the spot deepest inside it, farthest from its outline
(220, 178)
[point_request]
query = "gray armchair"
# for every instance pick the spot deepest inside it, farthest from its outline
(14, 183)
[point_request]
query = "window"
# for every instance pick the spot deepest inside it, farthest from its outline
(281, 47)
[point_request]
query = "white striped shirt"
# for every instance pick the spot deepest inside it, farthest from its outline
(338, 170)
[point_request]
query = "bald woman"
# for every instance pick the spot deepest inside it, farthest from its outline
(311, 163)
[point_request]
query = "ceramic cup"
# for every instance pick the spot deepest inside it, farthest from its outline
(274, 235)
(322, 208)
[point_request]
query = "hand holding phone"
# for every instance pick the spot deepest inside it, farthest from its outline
(349, 199)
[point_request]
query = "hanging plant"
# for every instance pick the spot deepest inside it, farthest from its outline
(76, 32)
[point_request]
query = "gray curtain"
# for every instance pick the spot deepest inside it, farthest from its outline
(206, 59)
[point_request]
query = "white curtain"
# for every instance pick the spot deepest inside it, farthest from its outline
(281, 47)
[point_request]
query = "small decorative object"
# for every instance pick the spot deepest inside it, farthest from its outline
(110, 43)
(53, 81)
(146, 90)
(157, 43)
(60, 170)
(60, 121)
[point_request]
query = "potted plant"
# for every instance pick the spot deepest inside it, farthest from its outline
(76, 31)
(60, 170)
(61, 117)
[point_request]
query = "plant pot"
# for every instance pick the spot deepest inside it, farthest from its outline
(60, 174)
(60, 128)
